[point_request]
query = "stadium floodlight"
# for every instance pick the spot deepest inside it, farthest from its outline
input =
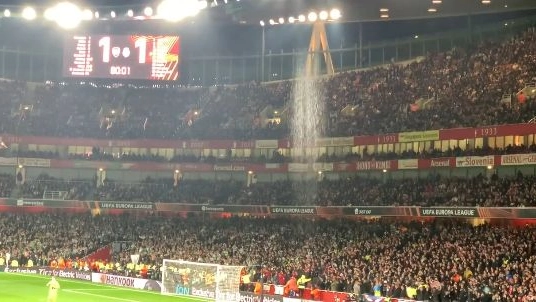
(67, 15)
(148, 11)
(97, 15)
(49, 14)
(432, 10)
(261, 23)
(29, 13)
(281, 20)
(301, 18)
(172, 10)
(323, 15)
(486, 1)
(272, 22)
(335, 14)
(312, 17)
(130, 13)
(291, 20)
(7, 13)
(87, 14)
(112, 14)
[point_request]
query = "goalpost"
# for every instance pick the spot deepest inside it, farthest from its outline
(210, 281)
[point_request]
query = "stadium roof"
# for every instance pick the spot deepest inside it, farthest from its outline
(252, 11)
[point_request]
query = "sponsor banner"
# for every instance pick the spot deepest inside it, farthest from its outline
(229, 168)
(376, 165)
(475, 161)
(34, 162)
(518, 159)
(125, 205)
(418, 136)
(293, 210)
(408, 164)
(30, 203)
(145, 284)
(213, 209)
(375, 211)
(298, 167)
(8, 161)
(440, 162)
(203, 292)
(335, 141)
(250, 297)
(47, 271)
(449, 212)
(267, 144)
(323, 167)
(28, 162)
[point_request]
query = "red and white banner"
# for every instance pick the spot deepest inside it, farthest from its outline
(518, 159)
(475, 161)
(122, 281)
(376, 165)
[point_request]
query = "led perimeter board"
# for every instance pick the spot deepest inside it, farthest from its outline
(122, 57)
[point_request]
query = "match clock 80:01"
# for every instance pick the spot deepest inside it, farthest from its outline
(122, 57)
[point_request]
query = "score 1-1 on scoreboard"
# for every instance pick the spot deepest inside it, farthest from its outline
(122, 57)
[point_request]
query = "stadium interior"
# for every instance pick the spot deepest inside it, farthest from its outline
(315, 150)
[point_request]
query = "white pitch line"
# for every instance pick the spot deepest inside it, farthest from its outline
(99, 289)
(100, 296)
(113, 287)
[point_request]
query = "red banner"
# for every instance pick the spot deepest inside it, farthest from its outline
(445, 134)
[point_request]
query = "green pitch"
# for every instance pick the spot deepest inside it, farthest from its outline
(31, 288)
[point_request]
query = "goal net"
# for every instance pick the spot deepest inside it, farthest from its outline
(204, 280)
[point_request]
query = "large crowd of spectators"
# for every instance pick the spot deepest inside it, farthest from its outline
(444, 260)
(435, 190)
(465, 88)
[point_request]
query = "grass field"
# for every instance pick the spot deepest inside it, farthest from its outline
(31, 288)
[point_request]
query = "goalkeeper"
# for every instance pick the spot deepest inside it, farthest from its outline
(53, 287)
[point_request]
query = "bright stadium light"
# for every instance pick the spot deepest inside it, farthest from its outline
(87, 14)
(97, 15)
(291, 20)
(272, 22)
(112, 14)
(148, 11)
(312, 17)
(335, 14)
(130, 13)
(49, 14)
(323, 15)
(281, 20)
(301, 18)
(29, 13)
(67, 15)
(7, 13)
(203, 4)
(261, 23)
(172, 10)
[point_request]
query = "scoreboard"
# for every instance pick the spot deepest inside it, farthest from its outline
(122, 57)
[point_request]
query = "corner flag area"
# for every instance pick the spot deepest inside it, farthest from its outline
(22, 287)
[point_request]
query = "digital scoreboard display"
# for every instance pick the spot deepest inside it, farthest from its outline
(122, 57)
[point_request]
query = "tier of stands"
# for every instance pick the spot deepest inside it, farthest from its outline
(434, 191)
(446, 261)
(463, 87)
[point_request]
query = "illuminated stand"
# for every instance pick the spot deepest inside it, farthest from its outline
(318, 46)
